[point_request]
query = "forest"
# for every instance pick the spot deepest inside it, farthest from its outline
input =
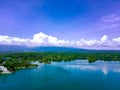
(15, 61)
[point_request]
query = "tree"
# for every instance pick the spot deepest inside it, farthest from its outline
(92, 59)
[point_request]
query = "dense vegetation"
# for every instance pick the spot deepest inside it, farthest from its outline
(15, 61)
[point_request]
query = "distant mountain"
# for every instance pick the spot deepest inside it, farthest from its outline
(13, 48)
(16, 48)
(57, 49)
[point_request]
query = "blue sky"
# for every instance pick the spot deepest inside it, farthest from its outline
(82, 21)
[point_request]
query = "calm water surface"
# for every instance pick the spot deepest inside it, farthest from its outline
(74, 75)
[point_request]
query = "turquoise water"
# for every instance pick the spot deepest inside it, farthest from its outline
(75, 75)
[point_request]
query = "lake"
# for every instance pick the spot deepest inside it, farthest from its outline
(74, 75)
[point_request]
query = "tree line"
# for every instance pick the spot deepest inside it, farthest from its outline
(14, 61)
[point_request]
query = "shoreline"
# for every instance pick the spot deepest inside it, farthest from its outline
(4, 70)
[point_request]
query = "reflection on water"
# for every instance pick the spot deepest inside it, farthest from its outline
(75, 75)
(105, 67)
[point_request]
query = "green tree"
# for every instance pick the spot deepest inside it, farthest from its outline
(92, 59)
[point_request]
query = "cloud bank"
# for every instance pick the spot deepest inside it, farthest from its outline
(41, 39)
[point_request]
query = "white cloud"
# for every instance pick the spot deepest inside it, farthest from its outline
(41, 39)
(104, 38)
(108, 22)
(105, 26)
(83, 42)
(111, 18)
(116, 39)
(116, 42)
(13, 40)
